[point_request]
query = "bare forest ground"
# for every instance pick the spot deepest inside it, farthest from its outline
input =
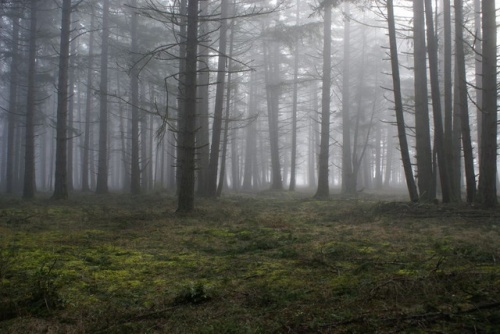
(267, 263)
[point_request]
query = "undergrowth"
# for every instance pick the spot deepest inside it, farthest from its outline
(247, 264)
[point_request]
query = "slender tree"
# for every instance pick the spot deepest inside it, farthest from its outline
(12, 119)
(323, 190)
(135, 172)
(432, 51)
(461, 82)
(187, 180)
(61, 182)
(29, 188)
(403, 141)
(487, 190)
(219, 104)
(102, 169)
(293, 154)
(88, 107)
(423, 140)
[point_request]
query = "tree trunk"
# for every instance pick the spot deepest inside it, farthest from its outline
(203, 134)
(181, 96)
(12, 118)
(61, 185)
(461, 82)
(487, 195)
(219, 104)
(403, 143)
(293, 156)
(135, 171)
(187, 180)
(478, 54)
(102, 169)
(323, 190)
(88, 108)
(273, 91)
(436, 106)
(422, 130)
(29, 156)
(347, 168)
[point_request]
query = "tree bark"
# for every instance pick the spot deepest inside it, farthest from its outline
(323, 190)
(61, 181)
(102, 169)
(444, 176)
(219, 104)
(135, 171)
(187, 181)
(273, 91)
(487, 195)
(422, 131)
(12, 118)
(403, 142)
(293, 155)
(88, 108)
(347, 168)
(461, 82)
(29, 188)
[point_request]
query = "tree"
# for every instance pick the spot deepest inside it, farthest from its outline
(293, 155)
(187, 145)
(61, 185)
(423, 140)
(13, 106)
(88, 107)
(403, 141)
(487, 190)
(29, 188)
(347, 168)
(102, 169)
(219, 104)
(436, 105)
(323, 190)
(461, 82)
(135, 172)
(273, 92)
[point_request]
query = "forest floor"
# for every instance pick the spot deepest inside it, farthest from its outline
(267, 263)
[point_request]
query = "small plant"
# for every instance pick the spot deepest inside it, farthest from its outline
(194, 293)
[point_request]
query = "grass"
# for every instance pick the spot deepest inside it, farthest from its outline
(273, 263)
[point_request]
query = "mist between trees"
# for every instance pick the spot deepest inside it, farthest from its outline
(198, 98)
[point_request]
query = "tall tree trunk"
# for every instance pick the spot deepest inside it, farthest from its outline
(422, 129)
(203, 134)
(29, 188)
(403, 142)
(61, 185)
(273, 91)
(12, 118)
(222, 174)
(102, 169)
(88, 108)
(347, 168)
(323, 190)
(293, 156)
(187, 181)
(251, 138)
(436, 106)
(487, 192)
(448, 102)
(219, 104)
(181, 96)
(135, 171)
(71, 116)
(478, 54)
(461, 82)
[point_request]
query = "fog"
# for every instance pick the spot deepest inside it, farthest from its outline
(206, 98)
